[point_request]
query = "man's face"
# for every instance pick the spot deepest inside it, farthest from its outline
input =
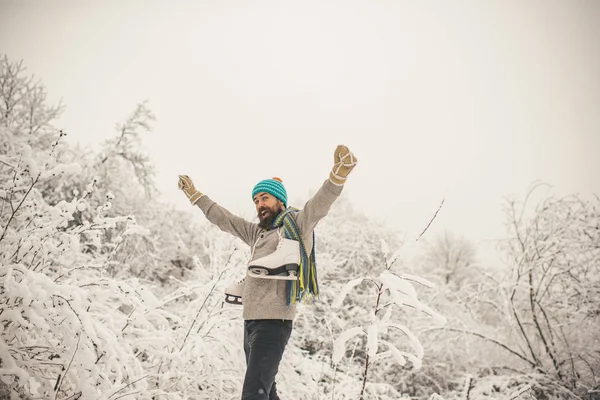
(268, 208)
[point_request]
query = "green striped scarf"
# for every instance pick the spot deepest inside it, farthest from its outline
(306, 284)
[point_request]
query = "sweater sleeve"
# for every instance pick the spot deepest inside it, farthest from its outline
(317, 207)
(228, 222)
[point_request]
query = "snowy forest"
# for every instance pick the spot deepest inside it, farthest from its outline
(107, 293)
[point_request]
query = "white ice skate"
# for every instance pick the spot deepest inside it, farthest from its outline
(283, 263)
(233, 293)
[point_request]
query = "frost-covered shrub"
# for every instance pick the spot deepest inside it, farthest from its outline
(75, 322)
(392, 290)
(56, 300)
(70, 328)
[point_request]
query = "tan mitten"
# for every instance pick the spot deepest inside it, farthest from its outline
(186, 184)
(343, 162)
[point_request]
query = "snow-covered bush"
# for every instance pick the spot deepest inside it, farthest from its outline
(70, 328)
(75, 322)
(535, 317)
(391, 290)
(57, 304)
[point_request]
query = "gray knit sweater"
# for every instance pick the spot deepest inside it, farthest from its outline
(266, 298)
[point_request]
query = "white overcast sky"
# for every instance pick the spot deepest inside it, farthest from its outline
(468, 100)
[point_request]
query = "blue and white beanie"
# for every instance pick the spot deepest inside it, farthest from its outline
(272, 186)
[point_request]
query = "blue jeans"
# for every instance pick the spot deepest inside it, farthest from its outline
(264, 343)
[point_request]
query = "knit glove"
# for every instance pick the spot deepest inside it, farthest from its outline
(343, 162)
(186, 184)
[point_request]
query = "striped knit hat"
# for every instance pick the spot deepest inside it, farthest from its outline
(272, 186)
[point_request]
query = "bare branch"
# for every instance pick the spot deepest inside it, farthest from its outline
(19, 206)
(60, 381)
(494, 341)
(435, 215)
(538, 327)
(205, 299)
(129, 384)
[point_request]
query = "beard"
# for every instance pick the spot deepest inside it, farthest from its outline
(266, 221)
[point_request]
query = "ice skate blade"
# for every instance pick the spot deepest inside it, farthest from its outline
(264, 274)
(233, 300)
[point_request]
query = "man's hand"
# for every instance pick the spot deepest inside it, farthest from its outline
(186, 184)
(343, 162)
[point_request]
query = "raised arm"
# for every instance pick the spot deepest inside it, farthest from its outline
(319, 205)
(221, 217)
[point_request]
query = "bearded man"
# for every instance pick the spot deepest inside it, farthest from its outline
(282, 268)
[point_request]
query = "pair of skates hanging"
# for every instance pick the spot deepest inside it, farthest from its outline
(282, 264)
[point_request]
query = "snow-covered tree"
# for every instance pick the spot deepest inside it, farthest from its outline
(450, 259)
(552, 292)
(534, 322)
(72, 327)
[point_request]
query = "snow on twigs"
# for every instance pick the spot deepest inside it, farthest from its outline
(372, 339)
(345, 290)
(417, 279)
(403, 294)
(339, 346)
(413, 340)
(401, 285)
(397, 354)
(72, 169)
